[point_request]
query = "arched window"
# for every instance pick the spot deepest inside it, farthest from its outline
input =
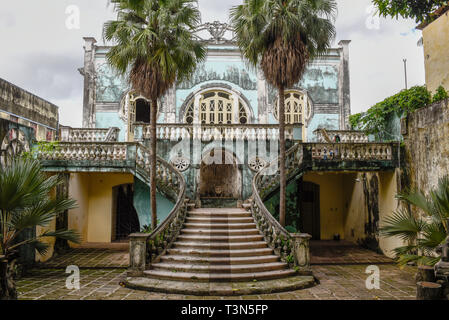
(297, 108)
(217, 107)
(143, 113)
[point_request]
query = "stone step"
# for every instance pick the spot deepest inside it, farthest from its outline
(220, 232)
(218, 210)
(190, 225)
(218, 215)
(218, 277)
(206, 252)
(220, 220)
(220, 245)
(172, 258)
(214, 238)
(224, 268)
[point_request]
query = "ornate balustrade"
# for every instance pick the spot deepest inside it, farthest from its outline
(204, 132)
(292, 248)
(92, 151)
(346, 136)
(350, 151)
(88, 135)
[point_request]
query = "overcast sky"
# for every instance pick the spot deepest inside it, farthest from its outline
(40, 54)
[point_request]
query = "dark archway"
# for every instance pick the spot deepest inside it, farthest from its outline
(143, 113)
(126, 218)
(309, 220)
(220, 177)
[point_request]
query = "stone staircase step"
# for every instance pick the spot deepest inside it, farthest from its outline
(220, 245)
(219, 215)
(172, 258)
(226, 239)
(224, 268)
(218, 277)
(221, 232)
(217, 210)
(219, 220)
(190, 225)
(192, 252)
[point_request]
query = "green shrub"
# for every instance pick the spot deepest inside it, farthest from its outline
(440, 95)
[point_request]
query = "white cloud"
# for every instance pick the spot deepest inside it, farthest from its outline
(41, 55)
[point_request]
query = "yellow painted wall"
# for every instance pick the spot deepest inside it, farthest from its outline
(387, 205)
(94, 217)
(436, 53)
(332, 209)
(356, 210)
(79, 190)
(343, 205)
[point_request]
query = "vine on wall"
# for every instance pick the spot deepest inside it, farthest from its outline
(375, 120)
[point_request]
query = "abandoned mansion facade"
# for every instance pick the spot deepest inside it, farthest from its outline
(218, 140)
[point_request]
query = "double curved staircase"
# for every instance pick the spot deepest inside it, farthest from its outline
(222, 245)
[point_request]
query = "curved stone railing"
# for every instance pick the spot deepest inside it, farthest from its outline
(346, 136)
(292, 248)
(208, 132)
(169, 180)
(68, 134)
(144, 248)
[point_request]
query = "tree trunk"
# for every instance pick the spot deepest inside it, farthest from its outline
(153, 163)
(282, 176)
(7, 286)
(428, 291)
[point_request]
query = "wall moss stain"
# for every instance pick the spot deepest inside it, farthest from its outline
(426, 137)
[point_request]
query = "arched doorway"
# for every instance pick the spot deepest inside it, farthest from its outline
(125, 218)
(219, 176)
(309, 220)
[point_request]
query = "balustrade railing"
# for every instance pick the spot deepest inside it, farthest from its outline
(207, 132)
(345, 136)
(350, 151)
(89, 134)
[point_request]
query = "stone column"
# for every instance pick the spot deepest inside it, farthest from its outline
(262, 100)
(344, 85)
(137, 254)
(301, 251)
(89, 82)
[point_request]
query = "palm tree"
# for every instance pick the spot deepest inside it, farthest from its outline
(154, 48)
(281, 36)
(25, 203)
(422, 233)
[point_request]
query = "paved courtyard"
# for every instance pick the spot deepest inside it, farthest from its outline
(338, 282)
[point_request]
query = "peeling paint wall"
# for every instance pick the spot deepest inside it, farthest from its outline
(426, 136)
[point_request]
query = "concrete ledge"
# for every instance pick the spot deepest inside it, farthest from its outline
(221, 288)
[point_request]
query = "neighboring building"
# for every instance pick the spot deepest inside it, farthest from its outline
(20, 106)
(436, 50)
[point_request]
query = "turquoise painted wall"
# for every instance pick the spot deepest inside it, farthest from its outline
(142, 203)
(328, 121)
(110, 119)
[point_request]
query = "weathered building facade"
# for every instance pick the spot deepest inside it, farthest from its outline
(20, 106)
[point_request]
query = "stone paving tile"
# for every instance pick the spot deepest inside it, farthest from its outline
(338, 282)
(90, 258)
(343, 252)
